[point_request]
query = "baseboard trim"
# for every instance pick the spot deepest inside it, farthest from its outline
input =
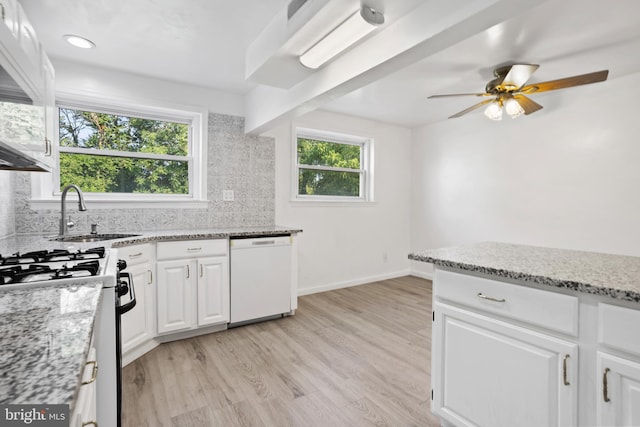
(355, 282)
(422, 275)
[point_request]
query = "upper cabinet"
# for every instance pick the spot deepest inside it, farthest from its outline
(27, 94)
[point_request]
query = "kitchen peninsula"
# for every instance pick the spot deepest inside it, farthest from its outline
(528, 335)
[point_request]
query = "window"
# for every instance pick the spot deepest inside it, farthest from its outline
(126, 155)
(115, 153)
(332, 167)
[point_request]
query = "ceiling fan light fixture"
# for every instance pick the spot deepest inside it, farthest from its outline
(513, 108)
(494, 111)
(351, 30)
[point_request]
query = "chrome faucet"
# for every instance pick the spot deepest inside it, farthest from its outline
(65, 225)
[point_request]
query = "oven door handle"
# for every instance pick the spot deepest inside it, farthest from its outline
(132, 303)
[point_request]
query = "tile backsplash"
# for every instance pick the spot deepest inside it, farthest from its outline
(236, 161)
(7, 204)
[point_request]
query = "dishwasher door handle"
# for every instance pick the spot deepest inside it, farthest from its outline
(263, 242)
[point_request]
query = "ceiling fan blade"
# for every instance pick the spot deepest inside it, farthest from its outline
(459, 94)
(470, 109)
(583, 79)
(528, 105)
(518, 75)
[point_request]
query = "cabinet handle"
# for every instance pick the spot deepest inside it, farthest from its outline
(605, 387)
(194, 249)
(94, 373)
(139, 254)
(47, 143)
(90, 423)
(201, 271)
(564, 370)
(188, 275)
(481, 295)
(2, 10)
(150, 277)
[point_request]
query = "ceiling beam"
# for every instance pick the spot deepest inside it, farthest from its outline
(426, 30)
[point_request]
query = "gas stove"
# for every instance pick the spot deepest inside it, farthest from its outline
(41, 266)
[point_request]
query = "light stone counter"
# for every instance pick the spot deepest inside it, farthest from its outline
(615, 276)
(45, 332)
(26, 243)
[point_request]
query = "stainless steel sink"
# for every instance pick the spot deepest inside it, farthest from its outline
(85, 238)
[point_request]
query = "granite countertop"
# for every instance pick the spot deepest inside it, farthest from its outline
(616, 276)
(25, 243)
(45, 333)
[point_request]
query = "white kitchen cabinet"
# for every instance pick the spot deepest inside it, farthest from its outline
(489, 372)
(138, 328)
(213, 291)
(618, 391)
(618, 366)
(495, 362)
(193, 284)
(175, 295)
(26, 93)
(84, 411)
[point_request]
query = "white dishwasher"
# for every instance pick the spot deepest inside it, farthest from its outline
(260, 277)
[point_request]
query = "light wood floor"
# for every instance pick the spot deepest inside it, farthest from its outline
(358, 356)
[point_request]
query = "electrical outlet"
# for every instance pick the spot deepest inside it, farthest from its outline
(227, 195)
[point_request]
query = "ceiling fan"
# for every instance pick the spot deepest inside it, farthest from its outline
(508, 90)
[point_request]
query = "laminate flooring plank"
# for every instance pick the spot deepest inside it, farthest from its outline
(351, 357)
(144, 403)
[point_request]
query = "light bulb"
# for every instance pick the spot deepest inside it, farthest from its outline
(513, 108)
(494, 111)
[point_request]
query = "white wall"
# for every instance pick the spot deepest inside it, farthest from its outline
(567, 176)
(345, 245)
(85, 80)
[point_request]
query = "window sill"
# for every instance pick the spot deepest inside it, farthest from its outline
(331, 203)
(54, 204)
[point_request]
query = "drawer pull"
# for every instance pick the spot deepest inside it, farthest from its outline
(94, 373)
(564, 370)
(194, 249)
(605, 386)
(139, 254)
(481, 295)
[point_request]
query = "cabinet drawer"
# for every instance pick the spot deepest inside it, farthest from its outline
(618, 328)
(192, 249)
(547, 309)
(137, 254)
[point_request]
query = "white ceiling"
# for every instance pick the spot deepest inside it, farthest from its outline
(203, 42)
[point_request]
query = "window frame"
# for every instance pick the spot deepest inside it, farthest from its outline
(46, 192)
(365, 171)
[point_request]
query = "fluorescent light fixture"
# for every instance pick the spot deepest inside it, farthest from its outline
(78, 41)
(352, 29)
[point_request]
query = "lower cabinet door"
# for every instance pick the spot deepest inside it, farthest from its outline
(213, 291)
(137, 324)
(486, 372)
(618, 391)
(176, 282)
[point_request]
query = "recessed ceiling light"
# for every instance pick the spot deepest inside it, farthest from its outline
(80, 42)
